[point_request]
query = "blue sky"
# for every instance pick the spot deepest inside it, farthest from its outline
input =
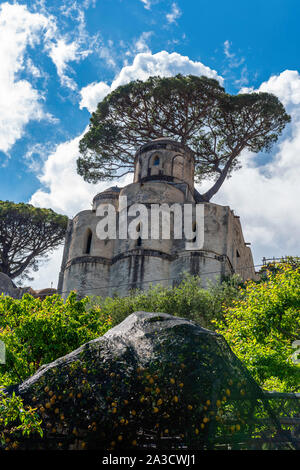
(59, 58)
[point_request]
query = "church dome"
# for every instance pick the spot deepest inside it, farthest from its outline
(108, 194)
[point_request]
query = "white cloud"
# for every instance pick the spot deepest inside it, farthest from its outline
(66, 192)
(286, 86)
(19, 101)
(147, 4)
(174, 14)
(267, 196)
(92, 94)
(31, 68)
(146, 64)
(141, 43)
(234, 61)
(227, 52)
(61, 54)
(48, 274)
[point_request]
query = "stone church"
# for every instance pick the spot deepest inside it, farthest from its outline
(164, 174)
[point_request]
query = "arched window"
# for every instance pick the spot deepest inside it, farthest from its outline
(156, 161)
(155, 164)
(194, 228)
(139, 240)
(88, 242)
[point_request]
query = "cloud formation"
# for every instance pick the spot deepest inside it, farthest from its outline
(61, 53)
(20, 101)
(267, 195)
(147, 4)
(146, 64)
(174, 14)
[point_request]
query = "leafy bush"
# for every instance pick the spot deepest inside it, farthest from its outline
(262, 326)
(260, 321)
(36, 332)
(188, 300)
(17, 418)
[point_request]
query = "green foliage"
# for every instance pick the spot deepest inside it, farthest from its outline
(17, 419)
(193, 110)
(188, 300)
(260, 321)
(37, 331)
(27, 233)
(262, 326)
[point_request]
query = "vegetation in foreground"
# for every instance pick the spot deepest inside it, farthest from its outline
(260, 321)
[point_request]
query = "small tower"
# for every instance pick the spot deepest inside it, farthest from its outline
(164, 160)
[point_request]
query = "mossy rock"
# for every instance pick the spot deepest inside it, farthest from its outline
(152, 381)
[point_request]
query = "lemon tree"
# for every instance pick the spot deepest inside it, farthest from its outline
(262, 326)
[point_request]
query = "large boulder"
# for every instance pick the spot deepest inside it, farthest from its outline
(153, 380)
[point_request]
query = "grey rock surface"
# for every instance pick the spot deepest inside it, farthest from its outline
(154, 380)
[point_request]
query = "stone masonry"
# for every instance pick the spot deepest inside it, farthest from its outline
(164, 173)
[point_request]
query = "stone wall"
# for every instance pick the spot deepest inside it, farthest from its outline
(164, 173)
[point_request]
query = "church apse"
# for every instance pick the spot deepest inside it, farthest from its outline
(164, 177)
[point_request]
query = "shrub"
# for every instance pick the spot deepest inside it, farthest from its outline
(37, 331)
(262, 326)
(188, 300)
